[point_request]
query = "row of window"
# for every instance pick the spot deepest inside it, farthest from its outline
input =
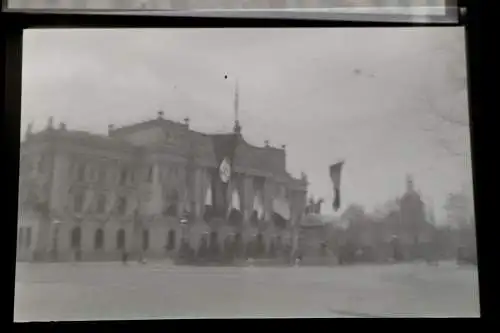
(120, 239)
(122, 203)
(102, 201)
(127, 176)
(170, 244)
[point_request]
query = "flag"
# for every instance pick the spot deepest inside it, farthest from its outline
(282, 208)
(335, 173)
(257, 205)
(235, 200)
(235, 215)
(225, 149)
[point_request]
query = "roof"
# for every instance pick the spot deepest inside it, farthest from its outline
(162, 122)
(266, 160)
(84, 137)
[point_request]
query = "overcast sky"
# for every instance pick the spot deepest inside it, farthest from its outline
(362, 95)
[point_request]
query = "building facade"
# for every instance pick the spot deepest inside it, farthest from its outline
(145, 188)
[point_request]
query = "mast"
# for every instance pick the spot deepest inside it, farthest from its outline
(237, 126)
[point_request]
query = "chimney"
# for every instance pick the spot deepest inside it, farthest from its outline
(283, 147)
(186, 121)
(62, 126)
(111, 128)
(160, 114)
(266, 143)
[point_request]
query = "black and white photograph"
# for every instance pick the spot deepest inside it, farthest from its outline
(245, 173)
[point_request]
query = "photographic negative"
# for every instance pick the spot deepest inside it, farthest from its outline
(242, 173)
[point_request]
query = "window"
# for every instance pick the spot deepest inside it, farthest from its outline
(145, 240)
(76, 235)
(78, 202)
(120, 239)
(80, 172)
(122, 205)
(171, 240)
(123, 176)
(99, 239)
(101, 203)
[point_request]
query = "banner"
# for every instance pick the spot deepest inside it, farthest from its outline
(224, 149)
(335, 175)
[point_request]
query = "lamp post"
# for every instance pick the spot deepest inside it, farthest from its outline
(183, 247)
(55, 237)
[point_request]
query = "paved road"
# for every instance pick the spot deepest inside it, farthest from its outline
(93, 291)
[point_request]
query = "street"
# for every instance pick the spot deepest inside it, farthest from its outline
(97, 291)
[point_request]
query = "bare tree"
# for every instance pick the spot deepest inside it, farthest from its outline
(445, 102)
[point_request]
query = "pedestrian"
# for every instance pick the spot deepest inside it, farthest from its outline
(124, 257)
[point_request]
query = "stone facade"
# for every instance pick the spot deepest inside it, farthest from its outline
(130, 190)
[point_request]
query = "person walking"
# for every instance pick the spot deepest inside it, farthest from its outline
(124, 257)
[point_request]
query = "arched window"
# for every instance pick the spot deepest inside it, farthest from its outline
(260, 246)
(213, 238)
(238, 245)
(228, 245)
(76, 235)
(214, 243)
(171, 240)
(99, 239)
(120, 239)
(145, 240)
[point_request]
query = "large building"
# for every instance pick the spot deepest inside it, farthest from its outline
(146, 187)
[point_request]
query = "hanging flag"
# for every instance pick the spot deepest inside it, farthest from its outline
(235, 200)
(257, 205)
(281, 205)
(208, 197)
(225, 149)
(235, 215)
(335, 175)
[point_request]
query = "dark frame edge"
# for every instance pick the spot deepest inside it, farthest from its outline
(11, 102)
(481, 99)
(11, 74)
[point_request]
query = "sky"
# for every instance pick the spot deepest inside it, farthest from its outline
(377, 98)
